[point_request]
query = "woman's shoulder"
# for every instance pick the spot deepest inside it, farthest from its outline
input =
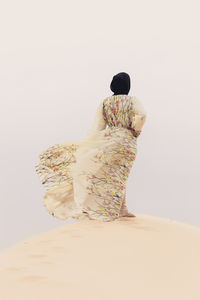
(117, 97)
(133, 99)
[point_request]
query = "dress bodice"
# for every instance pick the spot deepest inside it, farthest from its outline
(122, 111)
(119, 111)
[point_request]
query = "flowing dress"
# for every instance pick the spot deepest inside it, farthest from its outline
(87, 178)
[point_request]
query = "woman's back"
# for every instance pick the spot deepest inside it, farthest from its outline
(123, 111)
(117, 110)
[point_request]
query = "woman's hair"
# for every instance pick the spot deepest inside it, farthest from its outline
(120, 83)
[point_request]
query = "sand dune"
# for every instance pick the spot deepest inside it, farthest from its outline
(130, 258)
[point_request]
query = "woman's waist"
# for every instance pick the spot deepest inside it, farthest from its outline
(132, 130)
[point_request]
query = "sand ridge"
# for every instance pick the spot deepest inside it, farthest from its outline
(139, 258)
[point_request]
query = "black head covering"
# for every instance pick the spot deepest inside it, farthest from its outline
(120, 84)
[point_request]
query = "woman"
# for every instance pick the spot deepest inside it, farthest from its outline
(87, 179)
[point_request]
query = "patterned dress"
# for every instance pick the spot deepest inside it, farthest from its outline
(87, 179)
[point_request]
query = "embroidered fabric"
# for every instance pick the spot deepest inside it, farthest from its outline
(87, 178)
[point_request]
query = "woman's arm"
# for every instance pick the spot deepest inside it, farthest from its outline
(99, 122)
(138, 117)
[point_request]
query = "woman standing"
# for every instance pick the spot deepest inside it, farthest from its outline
(87, 179)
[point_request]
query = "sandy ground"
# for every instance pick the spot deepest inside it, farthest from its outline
(130, 258)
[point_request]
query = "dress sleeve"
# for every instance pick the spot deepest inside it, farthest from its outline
(99, 122)
(139, 115)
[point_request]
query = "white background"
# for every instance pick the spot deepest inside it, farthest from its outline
(57, 59)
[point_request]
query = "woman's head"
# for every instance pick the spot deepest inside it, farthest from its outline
(120, 84)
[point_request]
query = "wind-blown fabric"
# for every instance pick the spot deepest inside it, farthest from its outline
(87, 179)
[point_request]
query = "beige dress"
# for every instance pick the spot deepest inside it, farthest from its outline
(87, 179)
